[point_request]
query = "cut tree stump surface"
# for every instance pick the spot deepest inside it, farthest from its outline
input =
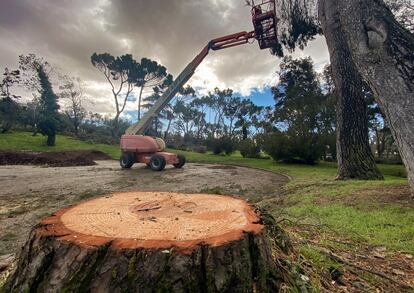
(151, 242)
(154, 220)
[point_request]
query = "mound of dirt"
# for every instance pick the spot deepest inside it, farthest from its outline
(53, 159)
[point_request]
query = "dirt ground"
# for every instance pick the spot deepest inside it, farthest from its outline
(53, 159)
(29, 193)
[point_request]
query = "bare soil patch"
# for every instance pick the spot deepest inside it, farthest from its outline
(222, 167)
(54, 159)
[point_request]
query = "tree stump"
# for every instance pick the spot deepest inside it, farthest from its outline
(149, 242)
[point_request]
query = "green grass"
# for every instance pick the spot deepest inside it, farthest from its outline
(313, 195)
(319, 260)
(321, 170)
(389, 225)
(25, 141)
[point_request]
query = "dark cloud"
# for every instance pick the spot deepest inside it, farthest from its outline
(66, 33)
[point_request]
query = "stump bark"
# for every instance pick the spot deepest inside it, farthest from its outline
(149, 242)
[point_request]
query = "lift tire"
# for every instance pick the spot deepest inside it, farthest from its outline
(181, 161)
(127, 160)
(157, 163)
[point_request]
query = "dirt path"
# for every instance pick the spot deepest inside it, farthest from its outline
(29, 193)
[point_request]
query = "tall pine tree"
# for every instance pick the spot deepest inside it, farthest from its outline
(49, 115)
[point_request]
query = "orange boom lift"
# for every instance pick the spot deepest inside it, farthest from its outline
(139, 148)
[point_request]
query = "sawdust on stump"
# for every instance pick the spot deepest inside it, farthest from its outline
(150, 242)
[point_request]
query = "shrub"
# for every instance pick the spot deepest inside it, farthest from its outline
(199, 149)
(8, 114)
(249, 149)
(290, 148)
(221, 145)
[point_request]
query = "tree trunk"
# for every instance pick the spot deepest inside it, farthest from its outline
(383, 52)
(168, 129)
(139, 102)
(51, 139)
(115, 133)
(146, 242)
(244, 132)
(378, 142)
(383, 137)
(354, 155)
(76, 128)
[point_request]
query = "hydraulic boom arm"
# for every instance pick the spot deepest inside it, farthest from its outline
(216, 44)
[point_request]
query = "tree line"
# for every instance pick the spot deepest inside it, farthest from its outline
(299, 127)
(57, 103)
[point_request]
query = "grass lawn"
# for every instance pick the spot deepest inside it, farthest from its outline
(356, 209)
(352, 218)
(315, 207)
(26, 141)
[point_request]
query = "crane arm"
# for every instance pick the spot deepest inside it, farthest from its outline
(216, 44)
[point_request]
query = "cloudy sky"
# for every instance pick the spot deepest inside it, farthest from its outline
(172, 32)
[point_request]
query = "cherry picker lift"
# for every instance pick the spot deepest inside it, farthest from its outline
(139, 148)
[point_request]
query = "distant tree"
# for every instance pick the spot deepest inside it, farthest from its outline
(249, 148)
(166, 113)
(186, 115)
(29, 65)
(246, 115)
(382, 140)
(10, 78)
(8, 101)
(37, 74)
(217, 101)
(261, 120)
(99, 129)
(232, 109)
(298, 96)
(156, 123)
(328, 128)
(200, 103)
(186, 118)
(151, 74)
(71, 92)
(221, 145)
(186, 93)
(122, 73)
(299, 108)
(169, 116)
(49, 115)
(30, 114)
